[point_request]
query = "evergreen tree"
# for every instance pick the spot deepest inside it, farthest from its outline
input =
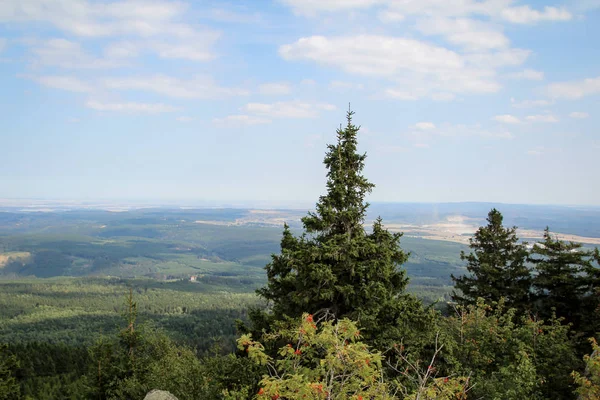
(497, 267)
(336, 267)
(9, 387)
(566, 282)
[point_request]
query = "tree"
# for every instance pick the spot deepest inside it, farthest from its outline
(9, 387)
(510, 357)
(497, 267)
(588, 384)
(566, 282)
(330, 361)
(140, 360)
(336, 267)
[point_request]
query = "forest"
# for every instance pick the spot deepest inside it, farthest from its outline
(96, 312)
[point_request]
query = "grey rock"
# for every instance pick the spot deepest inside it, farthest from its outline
(159, 395)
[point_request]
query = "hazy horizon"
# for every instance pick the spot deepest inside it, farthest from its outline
(133, 203)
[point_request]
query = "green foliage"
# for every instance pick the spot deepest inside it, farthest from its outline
(76, 311)
(228, 377)
(329, 361)
(492, 348)
(588, 384)
(139, 361)
(510, 357)
(335, 267)
(567, 282)
(9, 387)
(497, 267)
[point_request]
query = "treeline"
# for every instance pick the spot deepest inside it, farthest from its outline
(340, 323)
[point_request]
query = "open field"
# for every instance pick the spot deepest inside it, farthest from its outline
(14, 256)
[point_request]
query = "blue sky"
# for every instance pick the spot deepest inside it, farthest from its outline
(459, 100)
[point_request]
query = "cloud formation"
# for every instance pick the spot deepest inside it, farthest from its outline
(507, 119)
(130, 107)
(413, 68)
(288, 109)
(574, 89)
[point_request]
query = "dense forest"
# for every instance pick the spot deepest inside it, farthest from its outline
(334, 319)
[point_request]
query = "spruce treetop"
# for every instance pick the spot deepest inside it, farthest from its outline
(336, 266)
(342, 210)
(497, 267)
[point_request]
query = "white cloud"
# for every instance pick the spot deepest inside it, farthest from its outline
(184, 118)
(388, 55)
(390, 16)
(68, 54)
(459, 131)
(424, 126)
(402, 94)
(528, 74)
(67, 83)
(575, 89)
(422, 145)
(417, 67)
(312, 7)
(542, 118)
(97, 19)
(342, 85)
(192, 50)
(122, 50)
(579, 115)
(507, 119)
(472, 34)
(199, 87)
(235, 120)
(235, 16)
(391, 10)
(73, 120)
(408, 7)
(159, 23)
(275, 88)
(508, 57)
(526, 15)
(442, 96)
(131, 107)
(308, 82)
(541, 150)
(530, 103)
(289, 109)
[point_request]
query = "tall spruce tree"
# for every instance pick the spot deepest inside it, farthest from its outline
(497, 267)
(336, 266)
(567, 282)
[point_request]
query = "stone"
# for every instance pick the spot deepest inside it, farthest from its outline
(159, 395)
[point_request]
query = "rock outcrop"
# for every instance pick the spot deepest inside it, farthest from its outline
(159, 395)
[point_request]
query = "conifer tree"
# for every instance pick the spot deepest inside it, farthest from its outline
(497, 267)
(336, 267)
(566, 282)
(9, 387)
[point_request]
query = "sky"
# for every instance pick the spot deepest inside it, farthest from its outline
(458, 100)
